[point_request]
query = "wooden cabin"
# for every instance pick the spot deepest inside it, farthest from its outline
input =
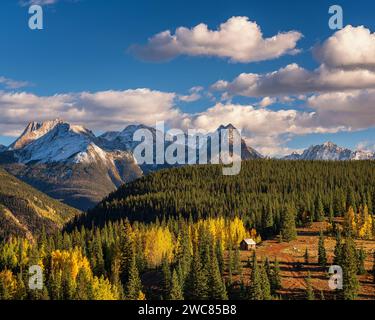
(248, 245)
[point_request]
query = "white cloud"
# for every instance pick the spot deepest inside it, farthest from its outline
(8, 83)
(354, 110)
(238, 39)
(194, 95)
(351, 47)
(295, 80)
(265, 130)
(366, 146)
(105, 110)
(266, 101)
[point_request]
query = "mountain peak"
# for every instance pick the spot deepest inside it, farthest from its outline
(227, 127)
(34, 130)
(330, 144)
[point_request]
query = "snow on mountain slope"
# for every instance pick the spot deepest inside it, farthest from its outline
(123, 140)
(363, 155)
(62, 143)
(330, 152)
(34, 131)
(67, 163)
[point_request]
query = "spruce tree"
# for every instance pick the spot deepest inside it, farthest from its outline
(220, 256)
(237, 267)
(216, 284)
(276, 277)
(133, 288)
(361, 258)
(319, 213)
(176, 292)
(127, 251)
(266, 286)
(309, 289)
(197, 286)
(337, 260)
(306, 256)
(350, 268)
(322, 255)
(167, 277)
(255, 289)
(288, 228)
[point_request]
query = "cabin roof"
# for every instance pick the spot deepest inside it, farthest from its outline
(249, 241)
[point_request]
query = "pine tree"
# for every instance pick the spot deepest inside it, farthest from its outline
(197, 286)
(350, 268)
(216, 285)
(126, 251)
(309, 289)
(176, 292)
(319, 213)
(276, 278)
(266, 286)
(133, 288)
(361, 258)
(322, 255)
(167, 277)
(288, 229)
(237, 267)
(307, 256)
(255, 289)
(337, 260)
(220, 257)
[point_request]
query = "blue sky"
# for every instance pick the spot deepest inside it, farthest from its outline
(84, 47)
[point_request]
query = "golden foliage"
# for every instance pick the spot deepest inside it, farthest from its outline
(158, 243)
(70, 261)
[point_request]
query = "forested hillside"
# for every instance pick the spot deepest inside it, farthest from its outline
(24, 211)
(265, 194)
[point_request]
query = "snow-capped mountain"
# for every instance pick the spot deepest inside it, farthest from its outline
(330, 152)
(363, 155)
(34, 131)
(61, 143)
(247, 153)
(66, 162)
(124, 141)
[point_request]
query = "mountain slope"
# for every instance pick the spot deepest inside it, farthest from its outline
(330, 152)
(66, 162)
(263, 188)
(24, 211)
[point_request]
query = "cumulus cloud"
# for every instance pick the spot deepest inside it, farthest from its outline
(351, 47)
(8, 83)
(105, 110)
(266, 101)
(266, 130)
(194, 95)
(355, 110)
(295, 80)
(238, 39)
(366, 146)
